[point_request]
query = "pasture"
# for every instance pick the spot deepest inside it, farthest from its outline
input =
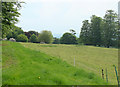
(90, 58)
(0, 63)
(24, 66)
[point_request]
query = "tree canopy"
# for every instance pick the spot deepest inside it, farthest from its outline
(101, 32)
(45, 36)
(14, 33)
(22, 38)
(85, 33)
(56, 41)
(33, 38)
(10, 16)
(68, 38)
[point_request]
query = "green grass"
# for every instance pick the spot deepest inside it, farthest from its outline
(89, 58)
(23, 66)
(0, 63)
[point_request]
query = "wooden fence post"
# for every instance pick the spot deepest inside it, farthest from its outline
(102, 74)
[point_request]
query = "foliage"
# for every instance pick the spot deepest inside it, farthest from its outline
(72, 31)
(14, 33)
(95, 30)
(56, 41)
(22, 38)
(10, 16)
(9, 35)
(33, 32)
(109, 31)
(33, 38)
(46, 36)
(68, 38)
(101, 32)
(85, 33)
(27, 34)
(118, 34)
(30, 33)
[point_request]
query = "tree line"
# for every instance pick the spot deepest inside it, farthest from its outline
(101, 32)
(97, 31)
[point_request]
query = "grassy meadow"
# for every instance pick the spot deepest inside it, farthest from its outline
(24, 66)
(0, 63)
(89, 58)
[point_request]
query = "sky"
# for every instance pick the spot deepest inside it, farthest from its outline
(59, 16)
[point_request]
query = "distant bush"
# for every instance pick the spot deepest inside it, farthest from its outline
(56, 41)
(33, 38)
(68, 38)
(46, 36)
(22, 38)
(14, 33)
(30, 33)
(9, 35)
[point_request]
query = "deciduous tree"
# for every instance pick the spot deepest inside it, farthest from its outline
(68, 38)
(33, 38)
(46, 36)
(10, 16)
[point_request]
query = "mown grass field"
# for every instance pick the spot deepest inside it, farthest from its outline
(24, 66)
(90, 58)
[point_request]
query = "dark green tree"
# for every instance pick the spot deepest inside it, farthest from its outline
(22, 38)
(33, 32)
(30, 33)
(95, 30)
(72, 31)
(118, 34)
(68, 38)
(10, 16)
(56, 41)
(109, 31)
(116, 40)
(9, 34)
(27, 34)
(14, 33)
(33, 38)
(85, 34)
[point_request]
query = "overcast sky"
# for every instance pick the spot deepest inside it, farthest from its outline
(59, 16)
